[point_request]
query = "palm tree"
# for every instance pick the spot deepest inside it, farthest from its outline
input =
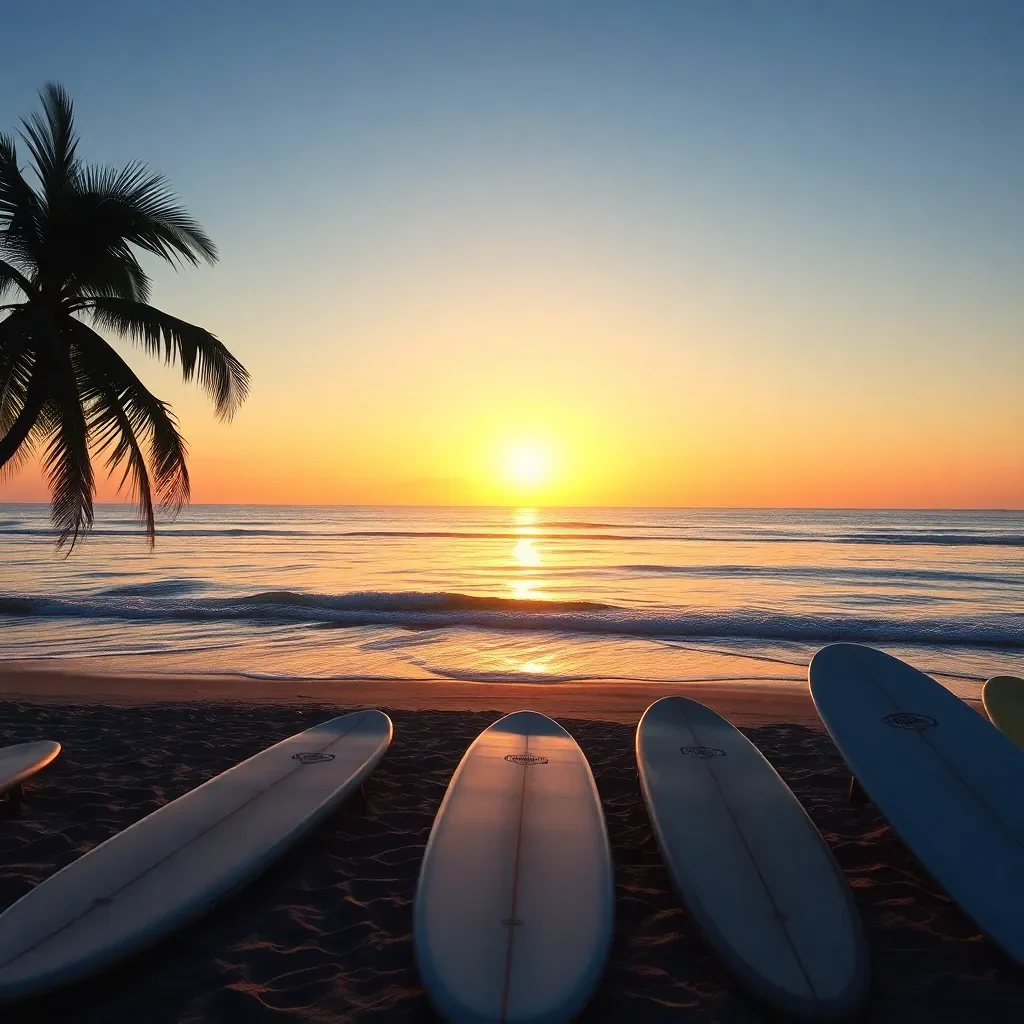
(69, 247)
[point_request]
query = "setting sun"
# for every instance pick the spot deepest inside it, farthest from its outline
(527, 465)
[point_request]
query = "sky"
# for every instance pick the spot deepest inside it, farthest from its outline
(680, 253)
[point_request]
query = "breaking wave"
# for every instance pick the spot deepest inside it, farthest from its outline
(422, 611)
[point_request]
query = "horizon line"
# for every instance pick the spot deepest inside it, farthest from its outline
(529, 506)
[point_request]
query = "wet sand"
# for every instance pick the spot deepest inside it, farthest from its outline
(324, 935)
(747, 704)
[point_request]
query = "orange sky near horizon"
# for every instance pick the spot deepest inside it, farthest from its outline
(717, 443)
(635, 394)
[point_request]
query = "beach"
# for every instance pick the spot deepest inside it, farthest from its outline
(325, 934)
(754, 703)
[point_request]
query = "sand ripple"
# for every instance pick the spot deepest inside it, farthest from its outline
(324, 936)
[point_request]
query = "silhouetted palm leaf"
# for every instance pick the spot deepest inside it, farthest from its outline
(124, 418)
(141, 208)
(66, 456)
(22, 388)
(52, 143)
(17, 362)
(21, 212)
(69, 248)
(11, 277)
(199, 352)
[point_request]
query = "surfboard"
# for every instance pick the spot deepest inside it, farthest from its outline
(514, 906)
(949, 782)
(23, 760)
(180, 861)
(755, 873)
(1003, 697)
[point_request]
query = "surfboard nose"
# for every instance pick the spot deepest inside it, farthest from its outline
(531, 723)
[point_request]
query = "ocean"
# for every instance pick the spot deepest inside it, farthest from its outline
(527, 595)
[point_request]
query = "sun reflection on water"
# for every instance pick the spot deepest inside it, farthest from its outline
(524, 517)
(522, 590)
(533, 667)
(525, 556)
(526, 553)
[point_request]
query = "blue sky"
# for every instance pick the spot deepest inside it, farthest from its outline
(534, 207)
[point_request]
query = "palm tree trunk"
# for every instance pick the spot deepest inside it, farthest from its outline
(26, 420)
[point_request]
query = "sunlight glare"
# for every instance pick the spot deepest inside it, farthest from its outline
(527, 465)
(525, 553)
(536, 668)
(522, 590)
(524, 517)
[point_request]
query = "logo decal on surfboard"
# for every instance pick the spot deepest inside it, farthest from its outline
(525, 759)
(702, 752)
(313, 757)
(910, 720)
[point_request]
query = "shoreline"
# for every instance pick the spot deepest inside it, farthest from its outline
(748, 704)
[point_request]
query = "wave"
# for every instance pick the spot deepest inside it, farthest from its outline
(949, 539)
(573, 524)
(412, 601)
(845, 573)
(581, 532)
(157, 588)
(425, 611)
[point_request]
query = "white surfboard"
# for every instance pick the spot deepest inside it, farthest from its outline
(949, 782)
(180, 861)
(23, 760)
(514, 907)
(752, 868)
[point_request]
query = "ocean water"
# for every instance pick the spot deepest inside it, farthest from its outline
(529, 595)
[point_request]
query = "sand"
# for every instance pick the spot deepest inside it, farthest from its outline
(745, 704)
(324, 935)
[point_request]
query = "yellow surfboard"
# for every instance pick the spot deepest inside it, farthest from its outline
(1003, 698)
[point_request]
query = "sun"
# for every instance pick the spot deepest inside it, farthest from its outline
(527, 465)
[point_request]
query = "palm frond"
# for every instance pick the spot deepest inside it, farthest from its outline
(21, 211)
(140, 206)
(90, 238)
(16, 363)
(66, 461)
(18, 398)
(200, 353)
(113, 273)
(10, 277)
(50, 137)
(24, 382)
(124, 416)
(112, 427)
